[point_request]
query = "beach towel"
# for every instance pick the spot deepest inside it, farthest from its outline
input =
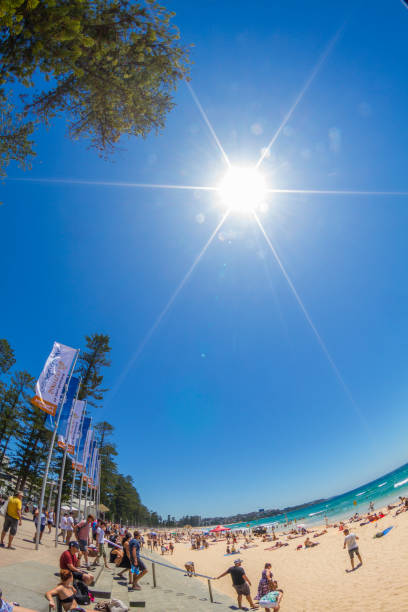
(229, 554)
(270, 600)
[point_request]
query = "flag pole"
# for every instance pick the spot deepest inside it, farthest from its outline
(98, 492)
(64, 459)
(76, 459)
(86, 498)
(81, 482)
(50, 451)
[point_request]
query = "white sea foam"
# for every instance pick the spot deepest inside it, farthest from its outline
(362, 493)
(313, 513)
(399, 484)
(382, 484)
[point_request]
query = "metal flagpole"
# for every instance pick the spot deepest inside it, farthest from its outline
(93, 493)
(77, 456)
(86, 498)
(47, 465)
(98, 492)
(52, 483)
(64, 459)
(81, 482)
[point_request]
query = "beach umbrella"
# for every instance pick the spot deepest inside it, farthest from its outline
(219, 528)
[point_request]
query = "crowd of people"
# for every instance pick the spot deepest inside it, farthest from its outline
(93, 540)
(87, 540)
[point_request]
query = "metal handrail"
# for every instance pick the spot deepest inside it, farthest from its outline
(178, 569)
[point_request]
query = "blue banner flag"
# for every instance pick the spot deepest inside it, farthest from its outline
(91, 459)
(66, 409)
(84, 441)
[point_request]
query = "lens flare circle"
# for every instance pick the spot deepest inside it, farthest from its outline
(242, 189)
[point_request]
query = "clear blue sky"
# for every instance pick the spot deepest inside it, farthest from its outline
(232, 405)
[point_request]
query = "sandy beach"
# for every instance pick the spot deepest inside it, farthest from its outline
(316, 578)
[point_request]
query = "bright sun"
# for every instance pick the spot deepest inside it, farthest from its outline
(242, 189)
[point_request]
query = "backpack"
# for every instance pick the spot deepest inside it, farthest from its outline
(82, 593)
(116, 605)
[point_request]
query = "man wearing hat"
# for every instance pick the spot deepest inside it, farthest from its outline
(12, 518)
(240, 582)
(69, 561)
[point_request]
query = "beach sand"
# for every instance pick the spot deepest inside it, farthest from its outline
(316, 578)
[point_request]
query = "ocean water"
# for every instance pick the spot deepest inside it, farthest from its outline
(380, 491)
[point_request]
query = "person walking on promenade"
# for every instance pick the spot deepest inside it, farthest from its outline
(352, 547)
(137, 563)
(70, 527)
(100, 543)
(43, 522)
(63, 527)
(240, 582)
(124, 560)
(12, 518)
(50, 520)
(82, 534)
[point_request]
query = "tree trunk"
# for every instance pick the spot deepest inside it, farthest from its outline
(4, 449)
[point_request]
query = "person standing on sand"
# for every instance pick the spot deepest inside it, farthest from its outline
(240, 582)
(352, 547)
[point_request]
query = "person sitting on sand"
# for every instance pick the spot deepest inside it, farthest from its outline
(190, 569)
(309, 543)
(228, 551)
(352, 547)
(65, 591)
(6, 606)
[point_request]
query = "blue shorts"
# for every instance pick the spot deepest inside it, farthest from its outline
(141, 565)
(83, 545)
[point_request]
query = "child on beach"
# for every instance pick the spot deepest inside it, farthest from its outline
(352, 547)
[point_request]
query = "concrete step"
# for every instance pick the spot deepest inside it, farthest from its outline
(102, 588)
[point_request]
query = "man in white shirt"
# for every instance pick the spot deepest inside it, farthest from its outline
(100, 543)
(63, 527)
(70, 528)
(350, 541)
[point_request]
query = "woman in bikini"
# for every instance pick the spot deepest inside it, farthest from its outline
(65, 591)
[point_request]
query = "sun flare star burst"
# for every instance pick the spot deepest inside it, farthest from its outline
(242, 189)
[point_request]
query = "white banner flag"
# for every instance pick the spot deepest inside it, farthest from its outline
(50, 385)
(73, 427)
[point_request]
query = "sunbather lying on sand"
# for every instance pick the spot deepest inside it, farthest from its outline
(277, 545)
(320, 533)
